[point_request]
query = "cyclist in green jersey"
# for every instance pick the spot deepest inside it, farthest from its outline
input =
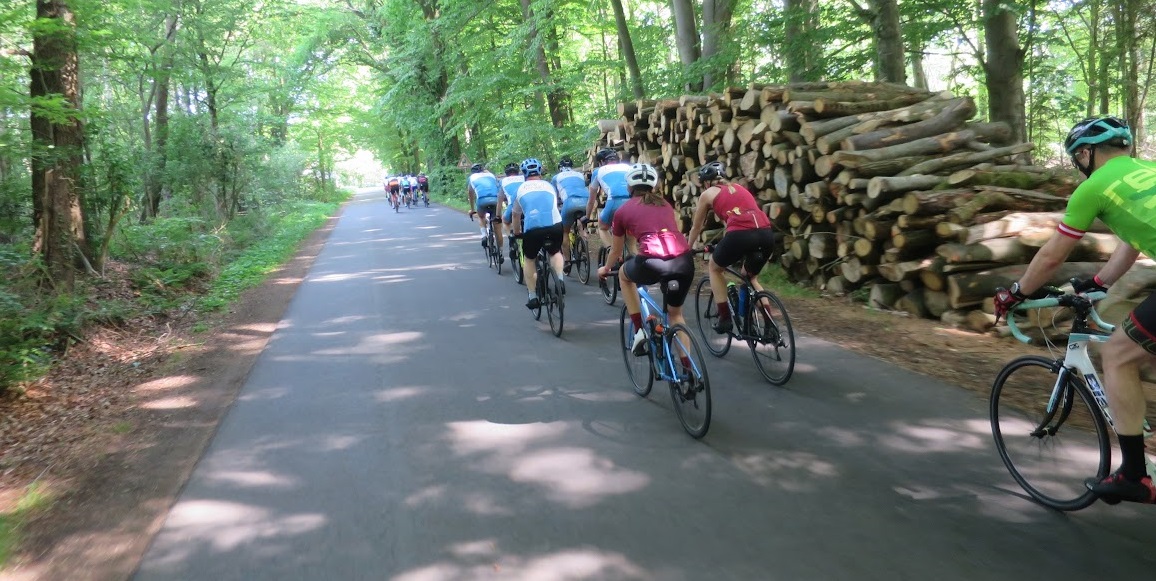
(1121, 192)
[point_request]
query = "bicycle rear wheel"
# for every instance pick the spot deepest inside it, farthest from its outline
(1049, 453)
(581, 260)
(639, 368)
(496, 250)
(705, 314)
(555, 303)
(539, 287)
(690, 391)
(516, 262)
(770, 337)
(608, 287)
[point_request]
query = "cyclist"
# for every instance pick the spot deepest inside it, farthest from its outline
(663, 251)
(482, 191)
(394, 187)
(571, 186)
(537, 220)
(1119, 192)
(423, 183)
(610, 177)
(510, 184)
(748, 235)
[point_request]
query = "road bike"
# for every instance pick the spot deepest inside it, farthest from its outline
(611, 288)
(516, 260)
(550, 291)
(758, 318)
(672, 355)
(579, 252)
(490, 242)
(393, 201)
(1052, 440)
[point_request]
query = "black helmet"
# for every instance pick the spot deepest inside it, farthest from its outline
(1098, 130)
(711, 171)
(606, 155)
(477, 167)
(565, 163)
(511, 168)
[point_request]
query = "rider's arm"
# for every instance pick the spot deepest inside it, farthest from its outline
(1046, 261)
(516, 217)
(700, 213)
(615, 254)
(470, 194)
(593, 201)
(1121, 260)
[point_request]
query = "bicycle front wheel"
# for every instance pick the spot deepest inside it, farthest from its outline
(705, 314)
(516, 263)
(608, 287)
(1049, 452)
(770, 337)
(555, 305)
(639, 367)
(581, 260)
(690, 389)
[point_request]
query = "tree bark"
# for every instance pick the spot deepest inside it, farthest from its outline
(1003, 67)
(686, 39)
(627, 47)
(716, 27)
(889, 61)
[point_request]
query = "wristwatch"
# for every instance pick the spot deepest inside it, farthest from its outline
(1015, 291)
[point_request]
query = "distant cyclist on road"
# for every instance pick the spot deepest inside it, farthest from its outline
(510, 184)
(1119, 191)
(537, 220)
(610, 177)
(571, 186)
(748, 236)
(662, 249)
(482, 191)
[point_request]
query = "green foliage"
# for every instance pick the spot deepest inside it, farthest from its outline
(32, 500)
(775, 278)
(34, 326)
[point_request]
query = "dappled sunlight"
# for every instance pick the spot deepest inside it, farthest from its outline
(250, 479)
(220, 527)
(264, 394)
(378, 344)
(484, 560)
(842, 436)
(338, 277)
(576, 476)
(333, 443)
(391, 278)
(474, 437)
(427, 495)
(169, 382)
(788, 470)
(933, 435)
(399, 393)
(170, 403)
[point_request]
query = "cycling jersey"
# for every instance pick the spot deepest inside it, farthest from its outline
(737, 208)
(612, 180)
(654, 227)
(570, 184)
(539, 203)
(484, 184)
(1122, 193)
(510, 185)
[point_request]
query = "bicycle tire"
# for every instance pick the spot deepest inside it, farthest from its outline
(690, 391)
(581, 260)
(539, 287)
(555, 304)
(1025, 432)
(705, 314)
(516, 263)
(498, 260)
(770, 337)
(608, 287)
(640, 368)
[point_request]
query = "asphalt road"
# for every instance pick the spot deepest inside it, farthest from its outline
(410, 421)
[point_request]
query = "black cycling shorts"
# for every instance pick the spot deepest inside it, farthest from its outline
(754, 247)
(1140, 324)
(489, 205)
(534, 240)
(649, 270)
(394, 189)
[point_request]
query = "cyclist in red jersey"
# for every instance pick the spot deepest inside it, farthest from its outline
(749, 236)
(663, 251)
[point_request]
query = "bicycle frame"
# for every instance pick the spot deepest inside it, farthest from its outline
(650, 307)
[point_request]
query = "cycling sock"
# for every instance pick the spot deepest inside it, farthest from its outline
(636, 318)
(483, 232)
(686, 362)
(724, 311)
(1132, 451)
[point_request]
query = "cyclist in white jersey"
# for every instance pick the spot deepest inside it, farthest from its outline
(482, 190)
(571, 186)
(537, 220)
(509, 186)
(608, 177)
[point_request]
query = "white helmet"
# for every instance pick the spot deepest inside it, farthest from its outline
(642, 174)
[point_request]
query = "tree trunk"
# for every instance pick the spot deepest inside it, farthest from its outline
(627, 48)
(58, 145)
(889, 62)
(686, 39)
(801, 54)
(542, 64)
(155, 185)
(716, 26)
(1003, 67)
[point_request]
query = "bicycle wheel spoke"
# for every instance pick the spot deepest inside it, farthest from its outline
(1048, 452)
(639, 368)
(770, 337)
(690, 387)
(706, 314)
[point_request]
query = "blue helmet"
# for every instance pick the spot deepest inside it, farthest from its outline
(1098, 130)
(531, 167)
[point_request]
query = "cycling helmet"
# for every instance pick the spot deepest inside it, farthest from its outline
(511, 168)
(531, 167)
(477, 167)
(1097, 130)
(565, 163)
(606, 155)
(711, 171)
(641, 174)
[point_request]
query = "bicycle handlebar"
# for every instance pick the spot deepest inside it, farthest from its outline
(1064, 300)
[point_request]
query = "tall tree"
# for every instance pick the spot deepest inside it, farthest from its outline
(716, 26)
(554, 100)
(802, 54)
(58, 141)
(686, 40)
(627, 47)
(883, 18)
(1004, 67)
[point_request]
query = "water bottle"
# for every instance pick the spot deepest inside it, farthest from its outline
(732, 295)
(743, 292)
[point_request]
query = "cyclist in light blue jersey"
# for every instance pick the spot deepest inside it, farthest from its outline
(482, 191)
(509, 184)
(608, 177)
(571, 186)
(537, 219)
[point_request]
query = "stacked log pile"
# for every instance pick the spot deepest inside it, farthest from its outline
(875, 185)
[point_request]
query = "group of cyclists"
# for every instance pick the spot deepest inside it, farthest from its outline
(543, 212)
(407, 189)
(1120, 190)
